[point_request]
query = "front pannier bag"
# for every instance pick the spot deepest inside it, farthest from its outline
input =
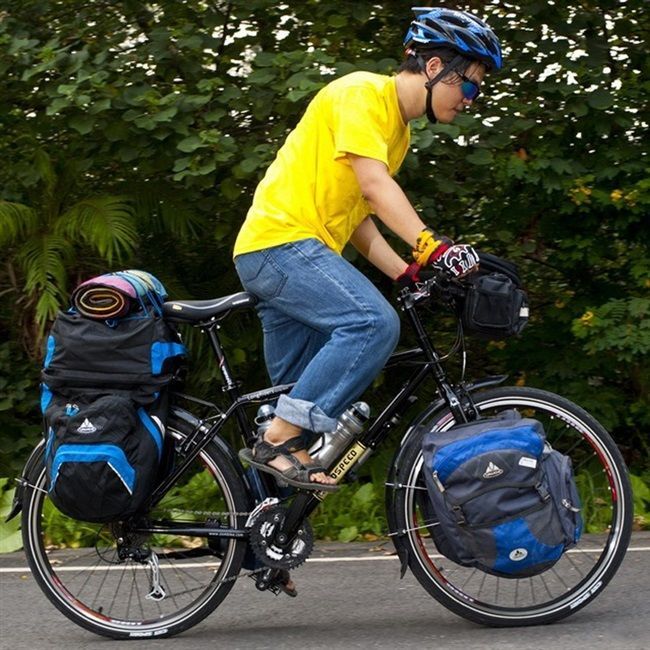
(505, 501)
(104, 396)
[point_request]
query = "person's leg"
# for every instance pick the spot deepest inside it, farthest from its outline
(325, 325)
(359, 330)
(289, 345)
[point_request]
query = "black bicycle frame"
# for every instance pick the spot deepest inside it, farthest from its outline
(304, 503)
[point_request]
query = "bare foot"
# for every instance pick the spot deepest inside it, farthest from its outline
(280, 431)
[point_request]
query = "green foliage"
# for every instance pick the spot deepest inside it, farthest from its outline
(10, 537)
(19, 417)
(354, 512)
(641, 494)
(619, 328)
(136, 134)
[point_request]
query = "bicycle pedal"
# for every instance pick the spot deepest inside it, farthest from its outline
(268, 580)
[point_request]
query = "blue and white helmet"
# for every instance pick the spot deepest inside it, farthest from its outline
(457, 30)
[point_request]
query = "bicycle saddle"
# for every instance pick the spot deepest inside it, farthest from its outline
(199, 311)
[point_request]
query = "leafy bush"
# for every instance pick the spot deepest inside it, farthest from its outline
(19, 415)
(353, 513)
(641, 494)
(10, 538)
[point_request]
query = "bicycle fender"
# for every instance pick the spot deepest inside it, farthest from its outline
(34, 461)
(493, 380)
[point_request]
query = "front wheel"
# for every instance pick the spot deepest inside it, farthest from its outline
(167, 583)
(581, 573)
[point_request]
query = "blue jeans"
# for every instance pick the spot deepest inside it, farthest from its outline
(326, 327)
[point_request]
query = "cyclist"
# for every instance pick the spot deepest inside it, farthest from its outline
(326, 326)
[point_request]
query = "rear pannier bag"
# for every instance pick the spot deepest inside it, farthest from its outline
(495, 305)
(505, 501)
(102, 456)
(104, 401)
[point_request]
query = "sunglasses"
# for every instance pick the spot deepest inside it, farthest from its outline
(470, 89)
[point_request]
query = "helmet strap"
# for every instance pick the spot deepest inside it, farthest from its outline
(431, 116)
(452, 65)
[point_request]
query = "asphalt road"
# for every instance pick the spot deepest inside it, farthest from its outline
(350, 597)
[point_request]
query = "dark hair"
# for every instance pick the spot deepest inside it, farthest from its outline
(415, 62)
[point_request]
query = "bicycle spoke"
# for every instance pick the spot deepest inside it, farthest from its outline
(516, 592)
(479, 595)
(532, 590)
(548, 591)
(480, 589)
(117, 589)
(101, 586)
(137, 591)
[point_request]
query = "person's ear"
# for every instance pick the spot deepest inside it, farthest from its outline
(433, 66)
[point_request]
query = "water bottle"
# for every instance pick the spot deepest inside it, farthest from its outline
(263, 419)
(348, 427)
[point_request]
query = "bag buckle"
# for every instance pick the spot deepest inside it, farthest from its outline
(459, 515)
(543, 492)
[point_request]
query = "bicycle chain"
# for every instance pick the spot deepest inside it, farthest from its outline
(214, 515)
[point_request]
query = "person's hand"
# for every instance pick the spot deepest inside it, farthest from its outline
(429, 247)
(457, 261)
(409, 276)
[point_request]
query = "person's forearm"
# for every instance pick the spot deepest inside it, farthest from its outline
(373, 246)
(387, 199)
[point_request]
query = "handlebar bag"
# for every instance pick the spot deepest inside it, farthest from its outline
(494, 306)
(505, 501)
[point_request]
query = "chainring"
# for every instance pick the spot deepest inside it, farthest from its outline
(269, 547)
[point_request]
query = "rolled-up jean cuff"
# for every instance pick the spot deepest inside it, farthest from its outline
(304, 414)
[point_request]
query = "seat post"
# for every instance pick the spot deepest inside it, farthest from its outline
(230, 385)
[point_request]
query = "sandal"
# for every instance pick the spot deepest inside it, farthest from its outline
(297, 475)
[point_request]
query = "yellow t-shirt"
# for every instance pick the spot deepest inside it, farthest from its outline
(310, 189)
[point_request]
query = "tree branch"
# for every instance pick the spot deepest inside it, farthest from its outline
(612, 64)
(222, 45)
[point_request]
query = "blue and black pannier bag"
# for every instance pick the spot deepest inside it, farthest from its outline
(104, 396)
(505, 501)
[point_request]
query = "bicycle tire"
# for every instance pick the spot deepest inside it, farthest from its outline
(108, 596)
(582, 572)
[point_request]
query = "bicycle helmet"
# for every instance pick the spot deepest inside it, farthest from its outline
(460, 31)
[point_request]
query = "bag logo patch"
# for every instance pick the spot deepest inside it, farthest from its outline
(86, 427)
(492, 471)
(518, 554)
(524, 461)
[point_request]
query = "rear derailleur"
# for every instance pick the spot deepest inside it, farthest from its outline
(132, 548)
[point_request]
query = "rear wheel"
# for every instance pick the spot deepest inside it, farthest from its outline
(169, 583)
(580, 574)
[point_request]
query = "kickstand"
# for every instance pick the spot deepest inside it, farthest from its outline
(156, 590)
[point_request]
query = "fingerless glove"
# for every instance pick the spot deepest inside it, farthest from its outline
(429, 247)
